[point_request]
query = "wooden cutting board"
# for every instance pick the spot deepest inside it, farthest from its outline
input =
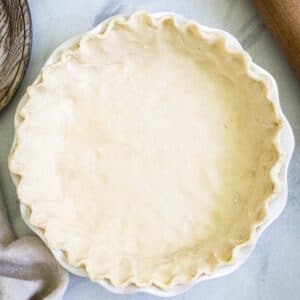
(15, 46)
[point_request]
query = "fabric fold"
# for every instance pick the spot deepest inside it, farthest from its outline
(27, 268)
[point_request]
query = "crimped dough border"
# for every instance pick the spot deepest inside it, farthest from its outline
(223, 37)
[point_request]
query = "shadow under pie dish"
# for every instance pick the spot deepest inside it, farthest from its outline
(146, 153)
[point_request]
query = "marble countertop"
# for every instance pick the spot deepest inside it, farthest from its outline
(273, 270)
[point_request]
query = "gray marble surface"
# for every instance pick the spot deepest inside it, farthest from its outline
(273, 270)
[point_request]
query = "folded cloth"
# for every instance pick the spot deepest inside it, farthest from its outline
(27, 268)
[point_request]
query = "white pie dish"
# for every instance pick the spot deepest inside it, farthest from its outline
(275, 206)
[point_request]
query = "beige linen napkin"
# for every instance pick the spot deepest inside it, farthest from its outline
(27, 268)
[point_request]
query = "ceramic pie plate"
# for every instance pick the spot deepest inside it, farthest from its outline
(285, 140)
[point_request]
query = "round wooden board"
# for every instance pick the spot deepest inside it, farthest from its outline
(15, 46)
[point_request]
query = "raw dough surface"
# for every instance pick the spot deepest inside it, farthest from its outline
(145, 152)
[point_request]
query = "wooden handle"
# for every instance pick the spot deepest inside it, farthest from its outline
(282, 17)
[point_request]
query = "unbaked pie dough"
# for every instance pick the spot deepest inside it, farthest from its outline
(145, 153)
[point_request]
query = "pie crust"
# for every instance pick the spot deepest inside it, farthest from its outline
(147, 152)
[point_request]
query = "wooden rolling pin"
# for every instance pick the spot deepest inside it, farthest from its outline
(282, 17)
